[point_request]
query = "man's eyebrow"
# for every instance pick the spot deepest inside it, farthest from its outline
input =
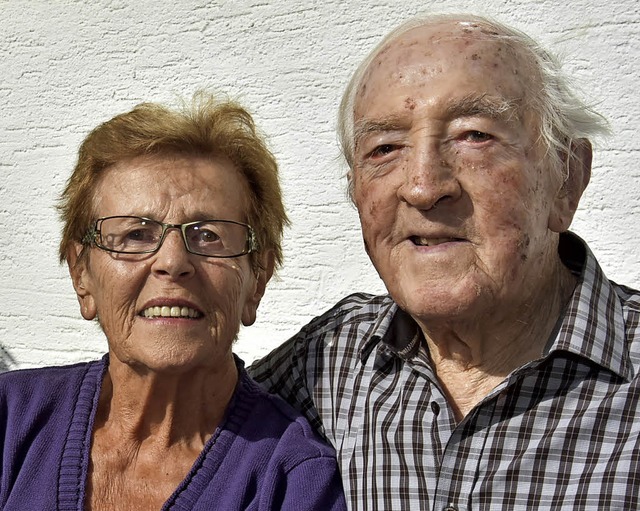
(485, 106)
(366, 126)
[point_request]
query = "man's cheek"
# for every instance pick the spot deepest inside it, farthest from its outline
(374, 206)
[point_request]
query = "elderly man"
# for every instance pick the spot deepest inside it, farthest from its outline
(501, 371)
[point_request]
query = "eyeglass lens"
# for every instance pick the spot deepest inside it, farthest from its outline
(139, 235)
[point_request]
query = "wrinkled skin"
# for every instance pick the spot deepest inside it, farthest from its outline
(117, 288)
(460, 212)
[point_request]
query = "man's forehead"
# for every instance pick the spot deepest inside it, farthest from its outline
(444, 40)
(466, 53)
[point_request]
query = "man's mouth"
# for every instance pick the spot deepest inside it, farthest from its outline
(173, 311)
(431, 242)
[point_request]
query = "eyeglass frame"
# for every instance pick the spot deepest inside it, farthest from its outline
(91, 237)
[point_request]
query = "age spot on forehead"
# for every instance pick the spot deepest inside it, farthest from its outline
(409, 103)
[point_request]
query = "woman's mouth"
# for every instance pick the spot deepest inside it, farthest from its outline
(173, 311)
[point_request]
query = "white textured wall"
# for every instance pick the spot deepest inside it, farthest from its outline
(66, 66)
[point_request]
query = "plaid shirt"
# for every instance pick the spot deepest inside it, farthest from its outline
(561, 432)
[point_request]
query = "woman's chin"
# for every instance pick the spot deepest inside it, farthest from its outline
(171, 364)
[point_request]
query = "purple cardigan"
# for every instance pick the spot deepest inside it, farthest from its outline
(264, 455)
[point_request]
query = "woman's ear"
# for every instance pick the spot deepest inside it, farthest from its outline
(79, 272)
(578, 173)
(262, 277)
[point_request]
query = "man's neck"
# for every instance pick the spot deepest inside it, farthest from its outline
(471, 357)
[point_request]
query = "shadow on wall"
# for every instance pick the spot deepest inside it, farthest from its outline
(7, 362)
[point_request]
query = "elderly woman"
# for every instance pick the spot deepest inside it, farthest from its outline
(172, 229)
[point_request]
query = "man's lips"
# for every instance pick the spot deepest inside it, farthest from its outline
(422, 241)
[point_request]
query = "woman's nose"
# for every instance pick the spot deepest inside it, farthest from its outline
(172, 258)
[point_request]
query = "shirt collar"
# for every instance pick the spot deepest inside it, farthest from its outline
(395, 331)
(593, 322)
(591, 327)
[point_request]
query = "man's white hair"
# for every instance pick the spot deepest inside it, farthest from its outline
(563, 117)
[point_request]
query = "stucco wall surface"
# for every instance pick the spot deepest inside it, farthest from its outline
(65, 66)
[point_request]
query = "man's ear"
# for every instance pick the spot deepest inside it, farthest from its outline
(78, 270)
(262, 277)
(578, 172)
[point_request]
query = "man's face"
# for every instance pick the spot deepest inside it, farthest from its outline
(455, 199)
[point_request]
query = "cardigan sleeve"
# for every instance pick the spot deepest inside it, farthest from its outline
(312, 485)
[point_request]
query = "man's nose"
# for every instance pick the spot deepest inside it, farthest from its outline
(429, 178)
(172, 258)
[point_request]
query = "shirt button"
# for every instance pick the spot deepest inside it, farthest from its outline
(450, 507)
(435, 408)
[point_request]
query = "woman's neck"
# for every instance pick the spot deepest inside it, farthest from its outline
(146, 406)
(149, 430)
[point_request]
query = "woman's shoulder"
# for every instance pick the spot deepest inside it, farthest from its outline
(44, 383)
(57, 372)
(274, 418)
(264, 455)
(37, 407)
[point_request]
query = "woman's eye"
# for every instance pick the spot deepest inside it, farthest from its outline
(139, 235)
(207, 236)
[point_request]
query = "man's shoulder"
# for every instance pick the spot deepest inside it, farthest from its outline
(327, 343)
(602, 321)
(629, 297)
(353, 310)
(630, 305)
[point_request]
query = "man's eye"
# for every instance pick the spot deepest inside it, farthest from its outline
(382, 150)
(476, 136)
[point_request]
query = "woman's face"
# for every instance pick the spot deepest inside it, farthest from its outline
(212, 296)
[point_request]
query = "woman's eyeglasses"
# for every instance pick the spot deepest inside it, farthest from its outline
(138, 235)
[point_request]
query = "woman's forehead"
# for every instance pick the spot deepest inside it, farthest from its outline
(162, 183)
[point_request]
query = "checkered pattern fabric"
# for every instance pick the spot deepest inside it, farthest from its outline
(562, 432)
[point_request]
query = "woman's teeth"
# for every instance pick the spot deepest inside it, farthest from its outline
(170, 312)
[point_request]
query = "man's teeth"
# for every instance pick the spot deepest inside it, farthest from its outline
(170, 312)
(429, 242)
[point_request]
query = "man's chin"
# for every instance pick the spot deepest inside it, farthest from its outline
(439, 302)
